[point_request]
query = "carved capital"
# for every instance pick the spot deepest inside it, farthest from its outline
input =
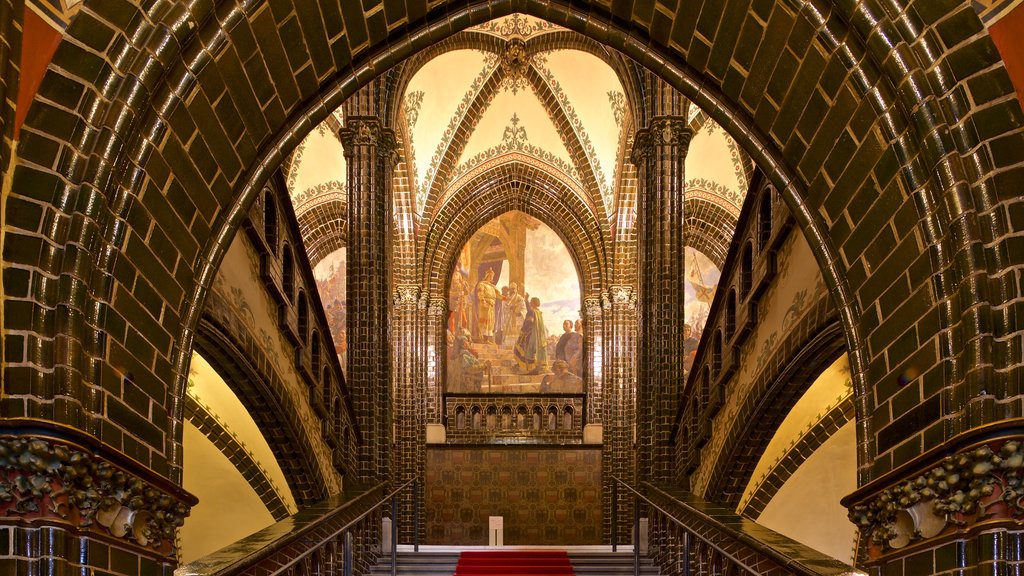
(407, 296)
(592, 308)
(368, 131)
(438, 307)
(662, 131)
(623, 297)
(52, 480)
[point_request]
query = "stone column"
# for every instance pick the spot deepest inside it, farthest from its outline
(593, 338)
(407, 329)
(370, 150)
(619, 311)
(436, 333)
(659, 152)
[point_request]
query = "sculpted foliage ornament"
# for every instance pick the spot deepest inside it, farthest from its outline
(41, 478)
(369, 131)
(979, 484)
(662, 131)
(407, 296)
(438, 307)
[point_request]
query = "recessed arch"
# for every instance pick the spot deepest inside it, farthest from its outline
(708, 228)
(324, 228)
(514, 186)
(89, 185)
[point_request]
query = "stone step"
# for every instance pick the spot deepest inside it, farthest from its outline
(585, 563)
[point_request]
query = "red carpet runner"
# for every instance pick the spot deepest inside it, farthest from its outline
(514, 563)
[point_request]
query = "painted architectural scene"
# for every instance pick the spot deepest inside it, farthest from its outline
(700, 284)
(330, 282)
(514, 322)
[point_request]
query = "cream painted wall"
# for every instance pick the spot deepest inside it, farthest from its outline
(206, 386)
(807, 507)
(827, 391)
(228, 510)
(240, 288)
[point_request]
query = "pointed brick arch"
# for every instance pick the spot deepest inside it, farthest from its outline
(861, 126)
(324, 228)
(475, 112)
(708, 228)
(514, 186)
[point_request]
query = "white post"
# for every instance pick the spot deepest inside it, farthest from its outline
(495, 530)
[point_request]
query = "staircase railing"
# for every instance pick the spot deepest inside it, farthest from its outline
(692, 537)
(333, 537)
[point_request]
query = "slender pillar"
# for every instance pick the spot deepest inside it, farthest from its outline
(408, 327)
(593, 334)
(659, 152)
(370, 150)
(619, 311)
(437, 315)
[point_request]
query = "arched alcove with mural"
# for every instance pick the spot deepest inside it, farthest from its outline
(513, 285)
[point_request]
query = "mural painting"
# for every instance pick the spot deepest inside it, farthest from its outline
(514, 324)
(330, 281)
(701, 281)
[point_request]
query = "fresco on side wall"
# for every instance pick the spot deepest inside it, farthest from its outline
(701, 281)
(514, 323)
(330, 281)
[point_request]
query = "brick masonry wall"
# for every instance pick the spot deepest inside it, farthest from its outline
(549, 495)
(892, 126)
(809, 107)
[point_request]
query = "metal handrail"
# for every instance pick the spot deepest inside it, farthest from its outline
(686, 531)
(309, 532)
(347, 531)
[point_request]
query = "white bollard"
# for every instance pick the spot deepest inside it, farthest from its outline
(495, 530)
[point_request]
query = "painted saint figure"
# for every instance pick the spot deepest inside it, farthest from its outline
(513, 313)
(531, 352)
(561, 381)
(486, 294)
(574, 350)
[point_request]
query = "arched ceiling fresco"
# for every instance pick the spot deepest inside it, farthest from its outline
(315, 171)
(715, 168)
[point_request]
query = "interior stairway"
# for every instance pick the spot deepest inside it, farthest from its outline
(429, 562)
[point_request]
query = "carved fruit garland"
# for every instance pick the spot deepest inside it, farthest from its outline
(41, 478)
(961, 485)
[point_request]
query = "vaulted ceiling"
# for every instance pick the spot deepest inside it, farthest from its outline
(517, 89)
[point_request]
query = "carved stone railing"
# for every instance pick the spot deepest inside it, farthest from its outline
(693, 537)
(340, 536)
(515, 418)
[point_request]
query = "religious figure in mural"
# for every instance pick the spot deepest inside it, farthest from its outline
(457, 296)
(531, 352)
(486, 294)
(574, 350)
(485, 323)
(563, 340)
(561, 380)
(466, 369)
(689, 346)
(513, 312)
(499, 317)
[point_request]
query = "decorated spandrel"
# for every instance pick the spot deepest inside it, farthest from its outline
(514, 323)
